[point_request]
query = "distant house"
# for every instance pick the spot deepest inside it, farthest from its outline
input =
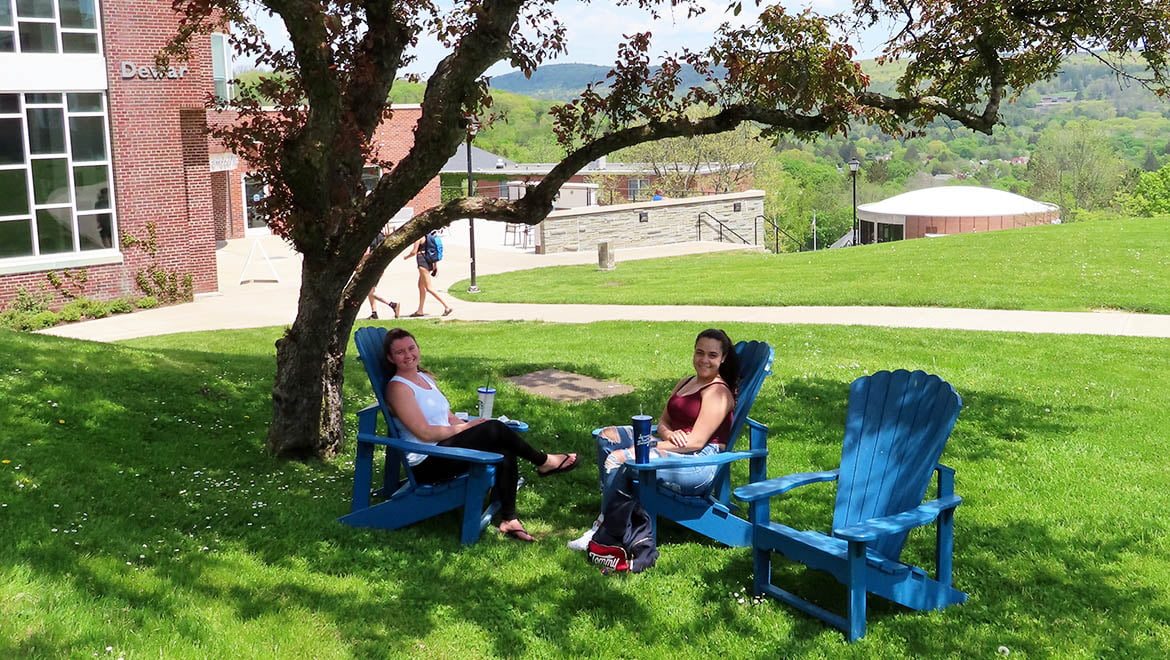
(1047, 102)
(617, 183)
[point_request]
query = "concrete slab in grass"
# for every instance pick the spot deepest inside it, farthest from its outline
(567, 386)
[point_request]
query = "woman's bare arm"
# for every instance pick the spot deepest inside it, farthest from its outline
(405, 407)
(717, 402)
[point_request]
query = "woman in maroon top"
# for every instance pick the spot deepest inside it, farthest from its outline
(695, 422)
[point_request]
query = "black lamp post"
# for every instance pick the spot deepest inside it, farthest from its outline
(853, 165)
(472, 128)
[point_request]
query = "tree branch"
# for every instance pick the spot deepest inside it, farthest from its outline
(376, 60)
(452, 88)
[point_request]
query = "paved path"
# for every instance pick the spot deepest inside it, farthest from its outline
(259, 303)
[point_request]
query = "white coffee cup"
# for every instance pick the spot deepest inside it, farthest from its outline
(487, 396)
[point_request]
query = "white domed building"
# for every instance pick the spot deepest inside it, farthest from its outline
(946, 210)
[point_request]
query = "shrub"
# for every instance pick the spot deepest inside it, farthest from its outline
(95, 309)
(73, 311)
(30, 302)
(45, 319)
(10, 318)
(27, 321)
(120, 306)
(146, 302)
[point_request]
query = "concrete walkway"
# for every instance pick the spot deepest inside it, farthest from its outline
(256, 303)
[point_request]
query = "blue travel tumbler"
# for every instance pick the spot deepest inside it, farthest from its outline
(642, 438)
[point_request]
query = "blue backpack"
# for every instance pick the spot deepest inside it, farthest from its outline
(433, 248)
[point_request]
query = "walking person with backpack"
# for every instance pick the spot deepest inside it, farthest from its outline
(696, 421)
(427, 253)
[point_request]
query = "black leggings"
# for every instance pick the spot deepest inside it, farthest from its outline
(494, 436)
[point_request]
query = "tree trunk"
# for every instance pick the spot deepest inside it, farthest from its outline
(310, 369)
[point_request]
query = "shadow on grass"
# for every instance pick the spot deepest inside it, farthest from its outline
(1035, 581)
(163, 447)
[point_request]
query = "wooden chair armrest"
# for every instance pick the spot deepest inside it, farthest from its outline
(772, 487)
(457, 453)
(668, 462)
(875, 528)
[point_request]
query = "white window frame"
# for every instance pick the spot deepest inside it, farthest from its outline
(225, 50)
(76, 257)
(55, 19)
(635, 186)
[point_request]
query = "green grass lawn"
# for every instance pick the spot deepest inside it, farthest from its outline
(139, 513)
(1123, 264)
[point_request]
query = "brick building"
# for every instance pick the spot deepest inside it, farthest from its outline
(98, 147)
(234, 193)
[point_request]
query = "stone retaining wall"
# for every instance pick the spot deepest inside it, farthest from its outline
(652, 223)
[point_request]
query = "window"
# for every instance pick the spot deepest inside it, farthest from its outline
(887, 233)
(636, 188)
(55, 183)
(49, 26)
(221, 66)
(371, 174)
(254, 193)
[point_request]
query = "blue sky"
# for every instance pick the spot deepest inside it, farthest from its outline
(596, 29)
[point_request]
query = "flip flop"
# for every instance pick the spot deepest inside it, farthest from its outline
(561, 467)
(415, 315)
(521, 535)
(448, 311)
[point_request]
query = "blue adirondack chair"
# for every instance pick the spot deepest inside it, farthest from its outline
(713, 514)
(405, 500)
(895, 430)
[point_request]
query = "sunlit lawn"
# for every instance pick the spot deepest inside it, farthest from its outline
(1122, 264)
(140, 517)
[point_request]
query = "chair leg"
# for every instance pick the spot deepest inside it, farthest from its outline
(945, 545)
(473, 514)
(761, 571)
(856, 597)
(646, 497)
(363, 468)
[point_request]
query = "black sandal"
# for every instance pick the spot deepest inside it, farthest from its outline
(521, 535)
(561, 467)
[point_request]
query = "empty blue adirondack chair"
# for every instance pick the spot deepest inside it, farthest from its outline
(895, 430)
(405, 500)
(712, 514)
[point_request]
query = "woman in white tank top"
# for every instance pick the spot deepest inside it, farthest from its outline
(425, 416)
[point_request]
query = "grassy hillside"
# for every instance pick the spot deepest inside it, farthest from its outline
(141, 518)
(1082, 266)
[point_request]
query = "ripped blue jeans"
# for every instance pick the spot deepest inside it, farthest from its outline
(684, 481)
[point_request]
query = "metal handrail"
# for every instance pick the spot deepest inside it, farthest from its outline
(778, 229)
(722, 225)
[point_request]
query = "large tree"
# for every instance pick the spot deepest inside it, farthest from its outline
(791, 73)
(1076, 166)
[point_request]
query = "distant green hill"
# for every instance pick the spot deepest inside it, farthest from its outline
(562, 82)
